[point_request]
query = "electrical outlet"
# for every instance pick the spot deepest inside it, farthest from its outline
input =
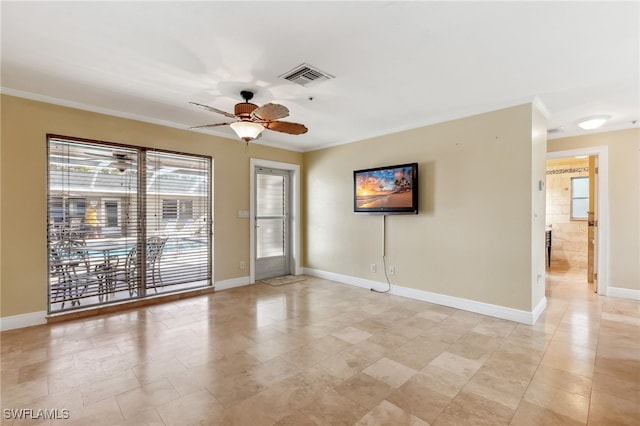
(392, 270)
(373, 267)
(242, 264)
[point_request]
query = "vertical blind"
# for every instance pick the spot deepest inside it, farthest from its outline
(178, 212)
(125, 222)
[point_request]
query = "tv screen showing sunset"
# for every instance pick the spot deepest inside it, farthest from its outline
(386, 188)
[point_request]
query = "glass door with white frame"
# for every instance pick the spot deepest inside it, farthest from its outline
(272, 236)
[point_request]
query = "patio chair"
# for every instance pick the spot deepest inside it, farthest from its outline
(155, 247)
(127, 274)
(71, 268)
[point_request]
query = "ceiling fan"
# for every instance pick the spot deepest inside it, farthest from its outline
(119, 160)
(251, 119)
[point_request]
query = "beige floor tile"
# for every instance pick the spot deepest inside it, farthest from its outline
(352, 335)
(74, 379)
(22, 394)
(328, 344)
(433, 314)
(625, 387)
(471, 409)
(365, 390)
(529, 414)
(231, 390)
(242, 414)
(578, 336)
(147, 396)
(562, 402)
(58, 364)
(267, 350)
(109, 387)
(272, 371)
(494, 327)
(446, 333)
(103, 413)
(388, 340)
(280, 400)
(334, 409)
(387, 414)
(621, 367)
(610, 410)
(418, 398)
(418, 352)
(345, 364)
(316, 379)
(564, 380)
(322, 353)
(457, 364)
(149, 417)
(304, 357)
(564, 360)
(475, 346)
(496, 389)
(368, 350)
(390, 372)
(296, 419)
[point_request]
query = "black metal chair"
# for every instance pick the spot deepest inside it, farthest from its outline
(127, 272)
(155, 247)
(71, 268)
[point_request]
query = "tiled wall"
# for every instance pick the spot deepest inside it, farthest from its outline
(569, 248)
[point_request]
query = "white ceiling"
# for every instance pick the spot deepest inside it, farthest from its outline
(397, 65)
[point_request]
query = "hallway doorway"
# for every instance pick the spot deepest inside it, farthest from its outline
(576, 215)
(569, 209)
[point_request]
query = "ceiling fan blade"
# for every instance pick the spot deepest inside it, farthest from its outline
(212, 109)
(286, 127)
(270, 112)
(210, 125)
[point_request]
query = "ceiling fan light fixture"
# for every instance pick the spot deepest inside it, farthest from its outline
(247, 130)
(592, 123)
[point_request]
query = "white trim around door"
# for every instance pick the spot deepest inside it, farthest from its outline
(295, 216)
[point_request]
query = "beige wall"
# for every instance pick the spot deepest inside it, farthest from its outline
(624, 200)
(473, 236)
(25, 123)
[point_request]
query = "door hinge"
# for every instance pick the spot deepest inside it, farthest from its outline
(596, 170)
(595, 276)
(595, 223)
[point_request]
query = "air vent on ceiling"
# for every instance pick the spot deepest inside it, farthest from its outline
(305, 74)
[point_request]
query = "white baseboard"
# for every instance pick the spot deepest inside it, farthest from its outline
(538, 310)
(23, 320)
(488, 309)
(232, 283)
(624, 293)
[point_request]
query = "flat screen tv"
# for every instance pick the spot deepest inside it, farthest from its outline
(386, 190)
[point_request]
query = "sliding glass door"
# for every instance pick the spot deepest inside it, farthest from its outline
(178, 215)
(125, 222)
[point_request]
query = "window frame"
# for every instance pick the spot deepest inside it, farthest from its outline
(572, 215)
(63, 204)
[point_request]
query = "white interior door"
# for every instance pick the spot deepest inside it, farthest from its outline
(272, 225)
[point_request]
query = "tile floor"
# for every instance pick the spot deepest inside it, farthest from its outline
(321, 353)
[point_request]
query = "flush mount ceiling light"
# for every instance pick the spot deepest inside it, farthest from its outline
(591, 123)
